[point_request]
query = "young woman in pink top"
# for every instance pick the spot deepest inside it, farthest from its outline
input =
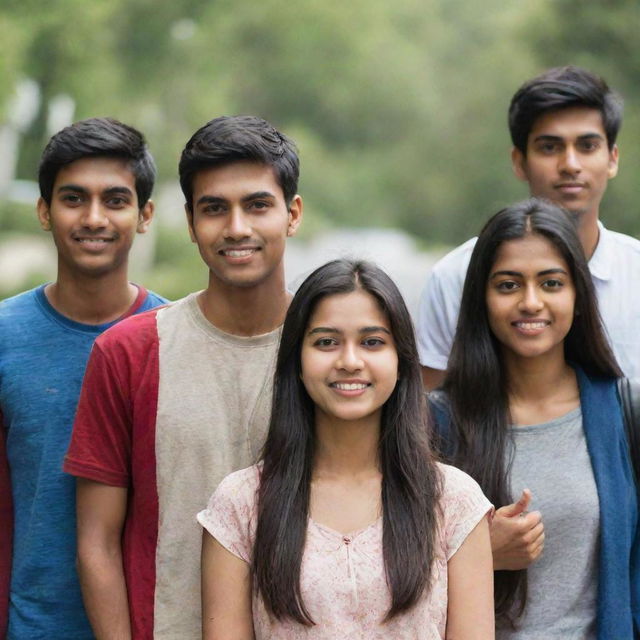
(347, 528)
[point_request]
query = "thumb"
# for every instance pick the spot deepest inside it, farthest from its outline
(515, 509)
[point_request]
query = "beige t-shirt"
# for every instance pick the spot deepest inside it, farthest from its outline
(214, 404)
(170, 405)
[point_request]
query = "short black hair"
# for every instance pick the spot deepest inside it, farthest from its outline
(230, 139)
(98, 137)
(561, 88)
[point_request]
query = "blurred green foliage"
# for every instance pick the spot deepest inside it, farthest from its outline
(399, 109)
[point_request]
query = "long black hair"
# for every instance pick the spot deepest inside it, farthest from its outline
(476, 382)
(411, 482)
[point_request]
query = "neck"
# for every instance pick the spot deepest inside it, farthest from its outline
(535, 377)
(245, 311)
(347, 447)
(588, 233)
(540, 388)
(91, 300)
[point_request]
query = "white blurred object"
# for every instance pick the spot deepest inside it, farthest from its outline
(60, 113)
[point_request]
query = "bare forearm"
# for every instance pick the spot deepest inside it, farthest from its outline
(104, 593)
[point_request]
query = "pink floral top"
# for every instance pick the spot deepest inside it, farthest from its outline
(342, 578)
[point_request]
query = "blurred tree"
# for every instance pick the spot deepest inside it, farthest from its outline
(399, 110)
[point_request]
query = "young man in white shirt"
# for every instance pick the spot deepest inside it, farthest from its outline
(563, 126)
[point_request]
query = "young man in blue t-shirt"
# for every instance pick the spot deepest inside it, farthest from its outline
(95, 179)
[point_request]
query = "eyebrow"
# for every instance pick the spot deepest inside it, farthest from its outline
(76, 188)
(248, 198)
(371, 329)
(519, 274)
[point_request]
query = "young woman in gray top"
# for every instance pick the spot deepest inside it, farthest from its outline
(529, 408)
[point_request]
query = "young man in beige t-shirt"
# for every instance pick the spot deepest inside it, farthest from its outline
(177, 399)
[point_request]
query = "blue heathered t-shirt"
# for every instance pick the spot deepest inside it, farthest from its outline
(43, 356)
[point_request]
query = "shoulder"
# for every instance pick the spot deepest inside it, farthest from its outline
(619, 258)
(152, 300)
(21, 303)
(240, 485)
(462, 504)
(230, 513)
(461, 494)
(455, 263)
(20, 316)
(457, 483)
(135, 333)
(623, 242)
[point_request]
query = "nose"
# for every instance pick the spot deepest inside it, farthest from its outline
(531, 301)
(238, 226)
(94, 217)
(348, 358)
(570, 161)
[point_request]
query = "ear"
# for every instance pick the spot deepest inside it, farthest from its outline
(189, 214)
(519, 164)
(295, 215)
(44, 216)
(145, 216)
(613, 162)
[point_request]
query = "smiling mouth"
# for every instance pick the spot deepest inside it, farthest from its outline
(538, 324)
(237, 253)
(103, 240)
(350, 386)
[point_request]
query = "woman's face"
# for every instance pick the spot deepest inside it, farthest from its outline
(349, 359)
(530, 298)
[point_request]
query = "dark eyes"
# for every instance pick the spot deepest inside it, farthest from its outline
(115, 202)
(213, 209)
(548, 147)
(589, 145)
(586, 146)
(71, 198)
(325, 342)
(218, 208)
(507, 286)
(370, 342)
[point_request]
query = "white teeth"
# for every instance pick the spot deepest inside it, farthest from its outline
(350, 386)
(238, 253)
(531, 325)
(92, 240)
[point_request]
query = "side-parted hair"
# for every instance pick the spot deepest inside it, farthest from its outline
(98, 137)
(236, 138)
(561, 88)
(411, 483)
(476, 382)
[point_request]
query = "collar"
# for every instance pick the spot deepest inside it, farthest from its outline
(602, 258)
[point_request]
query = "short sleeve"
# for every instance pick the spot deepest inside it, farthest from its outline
(118, 403)
(463, 507)
(230, 516)
(439, 307)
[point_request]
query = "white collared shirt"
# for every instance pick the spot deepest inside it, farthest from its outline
(615, 269)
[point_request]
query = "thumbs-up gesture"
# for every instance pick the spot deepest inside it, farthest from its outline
(517, 537)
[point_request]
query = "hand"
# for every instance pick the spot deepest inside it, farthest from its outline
(517, 537)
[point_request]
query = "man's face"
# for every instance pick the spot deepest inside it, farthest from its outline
(94, 216)
(568, 160)
(240, 222)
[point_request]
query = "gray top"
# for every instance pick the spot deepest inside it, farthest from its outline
(551, 459)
